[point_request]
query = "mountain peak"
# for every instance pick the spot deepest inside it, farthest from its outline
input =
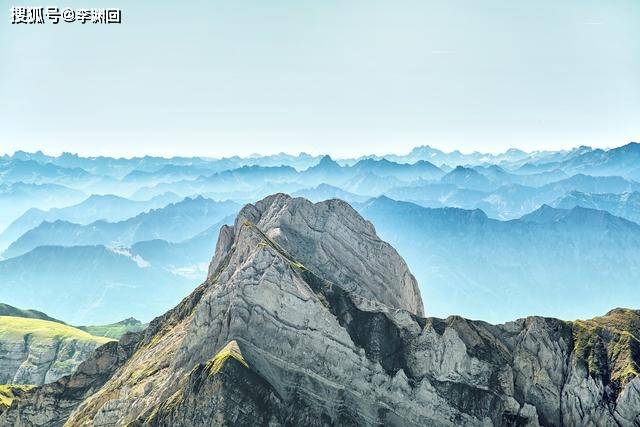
(545, 213)
(326, 164)
(576, 215)
(330, 239)
(326, 160)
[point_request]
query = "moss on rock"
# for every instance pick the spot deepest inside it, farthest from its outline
(9, 392)
(609, 345)
(230, 350)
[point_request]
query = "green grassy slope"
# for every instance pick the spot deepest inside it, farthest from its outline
(16, 327)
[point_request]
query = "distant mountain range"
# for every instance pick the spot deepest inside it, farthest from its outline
(623, 161)
(89, 284)
(188, 258)
(625, 205)
(617, 161)
(503, 177)
(465, 261)
(97, 207)
(160, 252)
(507, 201)
(17, 198)
(165, 213)
(326, 192)
(174, 222)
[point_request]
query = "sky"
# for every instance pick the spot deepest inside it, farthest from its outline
(347, 77)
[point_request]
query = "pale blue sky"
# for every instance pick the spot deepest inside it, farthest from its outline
(344, 77)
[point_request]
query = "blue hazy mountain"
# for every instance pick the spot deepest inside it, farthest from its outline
(300, 162)
(625, 205)
(498, 176)
(369, 184)
(457, 249)
(120, 167)
(17, 198)
(366, 177)
(453, 158)
(89, 284)
(189, 258)
(547, 160)
(117, 276)
(622, 161)
(328, 171)
(492, 177)
(244, 179)
(175, 222)
(326, 192)
(592, 184)
(468, 178)
(154, 165)
(436, 195)
(507, 201)
(168, 173)
(403, 171)
(34, 172)
(96, 207)
(553, 261)
(511, 159)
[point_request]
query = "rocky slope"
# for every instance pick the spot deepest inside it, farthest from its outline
(307, 318)
(35, 351)
(10, 392)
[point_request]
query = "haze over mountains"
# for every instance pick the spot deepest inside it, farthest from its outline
(567, 261)
(308, 317)
(174, 222)
(100, 231)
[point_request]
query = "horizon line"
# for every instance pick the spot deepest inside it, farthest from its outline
(301, 153)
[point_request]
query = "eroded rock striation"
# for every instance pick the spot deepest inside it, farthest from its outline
(307, 318)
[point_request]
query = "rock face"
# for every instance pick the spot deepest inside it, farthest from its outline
(328, 234)
(307, 318)
(34, 351)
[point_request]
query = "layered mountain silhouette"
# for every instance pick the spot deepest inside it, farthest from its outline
(96, 207)
(307, 317)
(174, 222)
(508, 201)
(623, 161)
(34, 172)
(17, 198)
(90, 284)
(465, 261)
(624, 205)
(326, 192)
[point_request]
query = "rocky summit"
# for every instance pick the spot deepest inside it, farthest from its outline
(308, 318)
